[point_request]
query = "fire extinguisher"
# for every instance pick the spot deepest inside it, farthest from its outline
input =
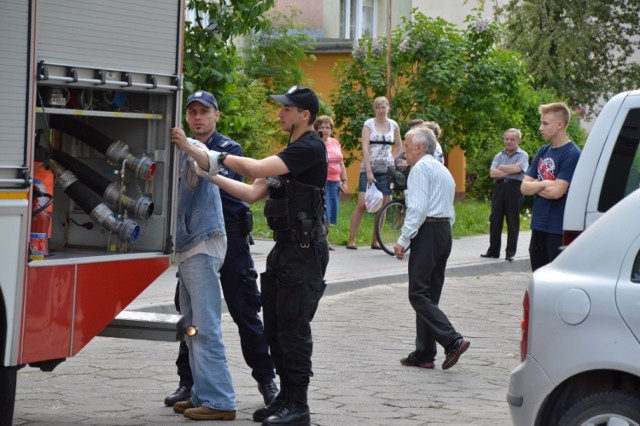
(40, 222)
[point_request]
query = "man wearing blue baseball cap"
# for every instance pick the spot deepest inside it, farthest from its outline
(293, 283)
(200, 249)
(205, 98)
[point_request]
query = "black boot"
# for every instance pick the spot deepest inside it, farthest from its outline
(262, 413)
(294, 411)
(183, 393)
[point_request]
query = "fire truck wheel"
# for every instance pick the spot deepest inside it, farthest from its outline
(8, 377)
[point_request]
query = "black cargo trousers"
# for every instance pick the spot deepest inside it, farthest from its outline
(292, 286)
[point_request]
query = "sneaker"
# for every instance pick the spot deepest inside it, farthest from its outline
(268, 391)
(453, 355)
(412, 361)
(181, 406)
(206, 413)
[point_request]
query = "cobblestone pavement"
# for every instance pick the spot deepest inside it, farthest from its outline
(359, 338)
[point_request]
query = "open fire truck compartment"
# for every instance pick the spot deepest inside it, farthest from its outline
(89, 92)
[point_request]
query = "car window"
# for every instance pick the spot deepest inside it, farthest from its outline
(623, 172)
(635, 274)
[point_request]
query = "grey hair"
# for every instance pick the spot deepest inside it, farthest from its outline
(425, 137)
(514, 130)
(435, 127)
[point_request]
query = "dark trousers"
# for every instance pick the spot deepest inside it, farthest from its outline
(543, 248)
(241, 294)
(505, 203)
(430, 249)
(291, 289)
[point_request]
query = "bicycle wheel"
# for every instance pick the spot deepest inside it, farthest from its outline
(388, 223)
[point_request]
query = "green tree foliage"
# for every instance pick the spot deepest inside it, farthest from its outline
(210, 57)
(211, 61)
(457, 78)
(249, 119)
(439, 72)
(474, 89)
(276, 53)
(578, 48)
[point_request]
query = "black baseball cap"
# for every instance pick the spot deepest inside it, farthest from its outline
(205, 98)
(301, 97)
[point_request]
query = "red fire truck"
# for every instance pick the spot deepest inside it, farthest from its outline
(89, 91)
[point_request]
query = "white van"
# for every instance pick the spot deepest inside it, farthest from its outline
(609, 167)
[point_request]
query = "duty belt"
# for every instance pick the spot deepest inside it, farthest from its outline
(233, 227)
(294, 235)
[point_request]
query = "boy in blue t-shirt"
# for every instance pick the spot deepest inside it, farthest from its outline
(549, 177)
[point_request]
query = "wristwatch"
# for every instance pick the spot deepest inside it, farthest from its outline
(222, 157)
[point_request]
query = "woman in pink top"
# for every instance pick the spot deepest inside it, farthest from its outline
(337, 173)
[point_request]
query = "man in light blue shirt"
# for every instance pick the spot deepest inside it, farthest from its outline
(507, 171)
(427, 227)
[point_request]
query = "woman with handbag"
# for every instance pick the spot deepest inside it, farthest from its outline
(379, 135)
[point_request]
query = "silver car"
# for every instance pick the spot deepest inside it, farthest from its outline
(580, 347)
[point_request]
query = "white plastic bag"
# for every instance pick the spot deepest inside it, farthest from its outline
(372, 198)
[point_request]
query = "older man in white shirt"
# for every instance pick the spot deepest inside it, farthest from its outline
(427, 226)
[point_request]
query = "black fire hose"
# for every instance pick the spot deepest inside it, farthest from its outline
(140, 207)
(115, 151)
(87, 175)
(127, 230)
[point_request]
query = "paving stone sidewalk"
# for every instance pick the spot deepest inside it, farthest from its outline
(359, 337)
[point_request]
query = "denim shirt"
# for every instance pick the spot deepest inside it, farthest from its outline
(199, 210)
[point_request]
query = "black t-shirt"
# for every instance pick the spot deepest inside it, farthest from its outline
(306, 159)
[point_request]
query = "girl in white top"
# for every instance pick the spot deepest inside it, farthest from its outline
(380, 136)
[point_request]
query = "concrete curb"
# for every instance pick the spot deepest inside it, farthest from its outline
(348, 284)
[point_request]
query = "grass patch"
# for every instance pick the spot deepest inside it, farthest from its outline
(472, 218)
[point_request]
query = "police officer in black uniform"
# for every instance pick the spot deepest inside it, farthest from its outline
(293, 283)
(237, 275)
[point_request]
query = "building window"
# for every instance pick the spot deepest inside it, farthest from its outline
(357, 18)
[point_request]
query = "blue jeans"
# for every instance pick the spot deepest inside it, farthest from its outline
(201, 305)
(242, 297)
(332, 200)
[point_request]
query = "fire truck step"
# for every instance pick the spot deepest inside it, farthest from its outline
(144, 326)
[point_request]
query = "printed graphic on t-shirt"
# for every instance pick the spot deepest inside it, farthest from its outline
(546, 169)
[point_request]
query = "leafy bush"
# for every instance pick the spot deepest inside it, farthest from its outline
(459, 78)
(249, 119)
(439, 72)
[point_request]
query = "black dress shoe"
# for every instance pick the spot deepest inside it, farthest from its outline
(183, 393)
(509, 258)
(489, 255)
(453, 354)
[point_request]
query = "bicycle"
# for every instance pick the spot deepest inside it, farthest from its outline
(389, 219)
